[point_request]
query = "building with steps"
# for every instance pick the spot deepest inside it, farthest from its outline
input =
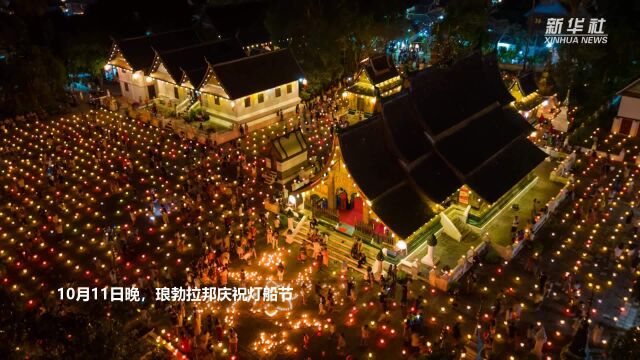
(377, 78)
(627, 120)
(178, 71)
(286, 156)
(339, 246)
(446, 150)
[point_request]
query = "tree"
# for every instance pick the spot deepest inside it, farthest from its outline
(87, 56)
(463, 29)
(594, 73)
(431, 243)
(330, 37)
(33, 80)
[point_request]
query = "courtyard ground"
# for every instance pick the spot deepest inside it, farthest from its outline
(53, 235)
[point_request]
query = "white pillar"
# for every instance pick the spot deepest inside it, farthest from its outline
(428, 260)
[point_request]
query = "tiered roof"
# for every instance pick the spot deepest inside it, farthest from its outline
(288, 145)
(139, 52)
(379, 68)
(450, 128)
(193, 60)
(525, 84)
(189, 61)
(631, 90)
(256, 73)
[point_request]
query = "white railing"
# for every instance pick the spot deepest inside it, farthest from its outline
(183, 105)
(195, 105)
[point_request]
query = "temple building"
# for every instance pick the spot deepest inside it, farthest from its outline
(450, 140)
(131, 60)
(535, 104)
(286, 156)
(524, 90)
(627, 122)
(377, 78)
(252, 89)
(179, 72)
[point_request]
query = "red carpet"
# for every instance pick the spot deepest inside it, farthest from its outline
(354, 215)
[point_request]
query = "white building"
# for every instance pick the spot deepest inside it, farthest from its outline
(180, 72)
(253, 89)
(627, 121)
(132, 59)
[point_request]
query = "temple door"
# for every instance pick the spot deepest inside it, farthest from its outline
(343, 201)
(625, 126)
(152, 91)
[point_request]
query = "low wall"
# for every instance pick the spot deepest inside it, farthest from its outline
(561, 173)
(612, 156)
(554, 153)
(511, 251)
(443, 281)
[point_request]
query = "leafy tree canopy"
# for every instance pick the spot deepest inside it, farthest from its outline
(330, 37)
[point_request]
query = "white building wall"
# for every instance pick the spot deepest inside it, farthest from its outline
(629, 107)
(135, 89)
(291, 163)
(165, 89)
(270, 102)
(224, 109)
(635, 127)
(615, 127)
(240, 113)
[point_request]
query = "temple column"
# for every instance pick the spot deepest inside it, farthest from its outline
(365, 213)
(331, 191)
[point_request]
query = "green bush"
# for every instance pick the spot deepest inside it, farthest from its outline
(582, 133)
(432, 241)
(305, 95)
(402, 277)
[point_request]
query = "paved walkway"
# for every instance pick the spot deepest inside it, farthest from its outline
(543, 190)
(448, 250)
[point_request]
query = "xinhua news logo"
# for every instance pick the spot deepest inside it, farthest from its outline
(575, 31)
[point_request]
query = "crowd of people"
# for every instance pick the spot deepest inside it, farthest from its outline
(162, 211)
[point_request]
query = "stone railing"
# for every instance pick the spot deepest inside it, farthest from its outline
(510, 251)
(561, 173)
(325, 213)
(191, 132)
(368, 230)
(443, 280)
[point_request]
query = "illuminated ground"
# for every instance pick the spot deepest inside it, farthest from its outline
(89, 198)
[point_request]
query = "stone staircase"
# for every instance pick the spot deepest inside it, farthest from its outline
(195, 105)
(464, 229)
(339, 246)
(441, 236)
(185, 105)
(455, 213)
(270, 177)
